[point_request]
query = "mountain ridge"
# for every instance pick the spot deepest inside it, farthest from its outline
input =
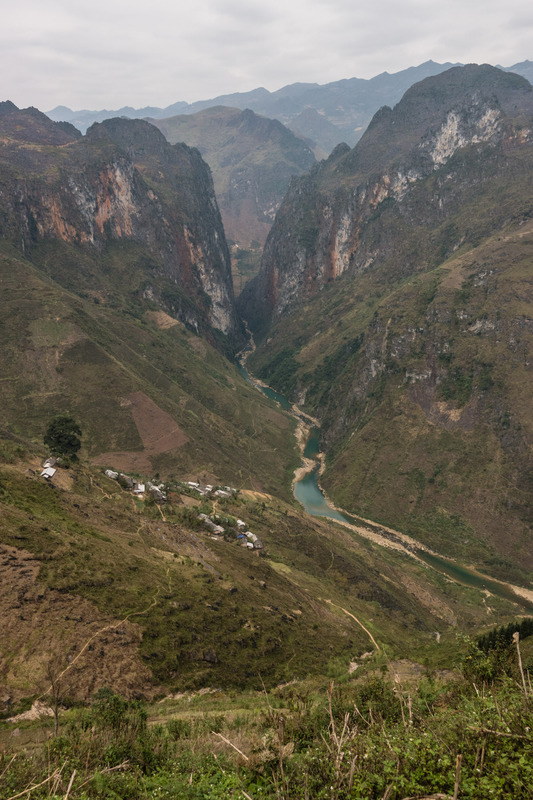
(347, 105)
(252, 159)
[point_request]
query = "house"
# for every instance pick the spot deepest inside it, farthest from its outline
(156, 492)
(139, 488)
(208, 522)
(48, 473)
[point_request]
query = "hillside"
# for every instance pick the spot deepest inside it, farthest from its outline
(170, 560)
(400, 314)
(148, 393)
(117, 305)
(144, 597)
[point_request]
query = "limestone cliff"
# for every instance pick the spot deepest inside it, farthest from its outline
(121, 182)
(387, 204)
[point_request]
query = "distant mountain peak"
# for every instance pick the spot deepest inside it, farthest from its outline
(6, 107)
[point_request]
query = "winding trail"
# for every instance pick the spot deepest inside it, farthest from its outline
(376, 645)
(98, 633)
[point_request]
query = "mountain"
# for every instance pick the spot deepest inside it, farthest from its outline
(345, 107)
(394, 302)
(109, 187)
(117, 304)
(524, 68)
(115, 309)
(252, 160)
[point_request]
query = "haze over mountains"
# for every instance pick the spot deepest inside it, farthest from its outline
(323, 114)
(252, 159)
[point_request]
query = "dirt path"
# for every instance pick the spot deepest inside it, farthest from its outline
(104, 651)
(349, 613)
(99, 633)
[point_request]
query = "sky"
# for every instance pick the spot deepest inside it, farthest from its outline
(100, 54)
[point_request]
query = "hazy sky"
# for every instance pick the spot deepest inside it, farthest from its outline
(111, 53)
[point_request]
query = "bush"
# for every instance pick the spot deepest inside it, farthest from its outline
(63, 436)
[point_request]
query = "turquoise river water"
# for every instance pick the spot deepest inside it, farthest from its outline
(309, 494)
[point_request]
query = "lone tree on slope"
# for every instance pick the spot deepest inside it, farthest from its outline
(63, 435)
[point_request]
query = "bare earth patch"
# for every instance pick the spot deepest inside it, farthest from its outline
(162, 320)
(91, 649)
(159, 433)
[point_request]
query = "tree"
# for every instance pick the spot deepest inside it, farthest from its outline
(55, 671)
(63, 435)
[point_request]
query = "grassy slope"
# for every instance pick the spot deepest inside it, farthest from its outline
(209, 612)
(61, 353)
(424, 392)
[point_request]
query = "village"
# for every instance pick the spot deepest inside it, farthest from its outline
(232, 530)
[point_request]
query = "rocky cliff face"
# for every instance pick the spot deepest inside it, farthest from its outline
(387, 204)
(122, 182)
(395, 305)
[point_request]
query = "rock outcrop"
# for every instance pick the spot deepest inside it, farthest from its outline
(388, 203)
(121, 182)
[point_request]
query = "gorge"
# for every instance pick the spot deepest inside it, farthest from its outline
(393, 306)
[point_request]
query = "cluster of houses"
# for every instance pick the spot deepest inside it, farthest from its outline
(139, 489)
(206, 490)
(244, 538)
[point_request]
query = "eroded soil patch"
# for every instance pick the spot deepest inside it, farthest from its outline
(45, 630)
(159, 433)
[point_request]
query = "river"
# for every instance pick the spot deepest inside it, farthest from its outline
(307, 491)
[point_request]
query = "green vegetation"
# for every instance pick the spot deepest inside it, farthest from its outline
(500, 638)
(206, 610)
(456, 387)
(63, 436)
(63, 350)
(362, 739)
(281, 371)
(422, 393)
